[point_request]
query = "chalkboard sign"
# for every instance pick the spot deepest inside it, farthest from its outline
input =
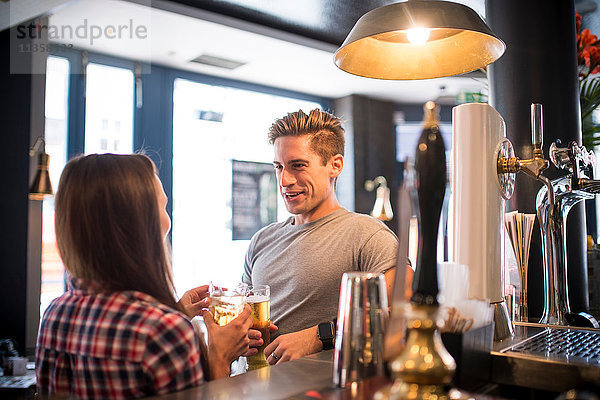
(253, 197)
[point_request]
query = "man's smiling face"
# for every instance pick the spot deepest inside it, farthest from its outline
(305, 184)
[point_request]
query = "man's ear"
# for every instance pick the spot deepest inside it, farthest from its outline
(337, 165)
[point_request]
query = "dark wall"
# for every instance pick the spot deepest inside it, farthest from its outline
(22, 111)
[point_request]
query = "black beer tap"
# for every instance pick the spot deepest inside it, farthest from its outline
(430, 166)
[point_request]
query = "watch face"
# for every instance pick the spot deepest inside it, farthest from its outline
(325, 331)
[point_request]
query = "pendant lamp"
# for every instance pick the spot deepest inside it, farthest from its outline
(418, 39)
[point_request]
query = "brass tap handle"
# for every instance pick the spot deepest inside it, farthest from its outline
(508, 165)
(532, 167)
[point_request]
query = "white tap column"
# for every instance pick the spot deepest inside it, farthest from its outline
(478, 207)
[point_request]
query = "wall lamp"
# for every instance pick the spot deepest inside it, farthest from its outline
(41, 185)
(383, 207)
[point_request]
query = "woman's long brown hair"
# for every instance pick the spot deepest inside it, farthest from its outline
(108, 225)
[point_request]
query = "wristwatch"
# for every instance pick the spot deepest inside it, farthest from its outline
(326, 332)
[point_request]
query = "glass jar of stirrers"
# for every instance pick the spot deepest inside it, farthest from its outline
(519, 227)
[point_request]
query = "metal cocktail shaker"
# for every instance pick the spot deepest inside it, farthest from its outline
(361, 323)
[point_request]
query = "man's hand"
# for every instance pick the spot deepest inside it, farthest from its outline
(255, 341)
(293, 345)
(194, 300)
(226, 343)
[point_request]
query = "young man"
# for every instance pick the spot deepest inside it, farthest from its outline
(303, 258)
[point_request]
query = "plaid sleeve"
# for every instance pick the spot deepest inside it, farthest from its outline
(172, 360)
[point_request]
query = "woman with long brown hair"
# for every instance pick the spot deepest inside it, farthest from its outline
(119, 332)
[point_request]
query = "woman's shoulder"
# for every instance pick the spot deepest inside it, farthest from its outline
(152, 310)
(156, 325)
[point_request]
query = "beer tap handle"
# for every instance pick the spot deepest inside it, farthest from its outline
(430, 167)
(536, 166)
(537, 126)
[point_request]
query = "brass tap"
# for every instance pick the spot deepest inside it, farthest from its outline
(533, 166)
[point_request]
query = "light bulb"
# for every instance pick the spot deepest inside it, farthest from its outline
(417, 35)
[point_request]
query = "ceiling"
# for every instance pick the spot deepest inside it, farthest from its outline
(282, 44)
(324, 20)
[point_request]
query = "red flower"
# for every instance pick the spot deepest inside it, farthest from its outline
(586, 38)
(588, 50)
(594, 59)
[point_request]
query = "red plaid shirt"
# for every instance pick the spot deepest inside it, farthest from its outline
(118, 345)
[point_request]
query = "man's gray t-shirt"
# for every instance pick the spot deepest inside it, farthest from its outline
(304, 264)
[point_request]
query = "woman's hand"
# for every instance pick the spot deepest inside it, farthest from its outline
(194, 300)
(227, 343)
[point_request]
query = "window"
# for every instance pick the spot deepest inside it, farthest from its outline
(109, 128)
(56, 110)
(213, 125)
(108, 109)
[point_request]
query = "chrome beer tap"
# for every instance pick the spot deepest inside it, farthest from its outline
(553, 203)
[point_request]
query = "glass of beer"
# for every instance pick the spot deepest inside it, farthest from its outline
(227, 300)
(258, 298)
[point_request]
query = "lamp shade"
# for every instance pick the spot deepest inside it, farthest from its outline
(418, 39)
(41, 185)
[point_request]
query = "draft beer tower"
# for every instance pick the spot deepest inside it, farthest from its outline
(479, 135)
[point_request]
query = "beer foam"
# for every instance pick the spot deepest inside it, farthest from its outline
(256, 298)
